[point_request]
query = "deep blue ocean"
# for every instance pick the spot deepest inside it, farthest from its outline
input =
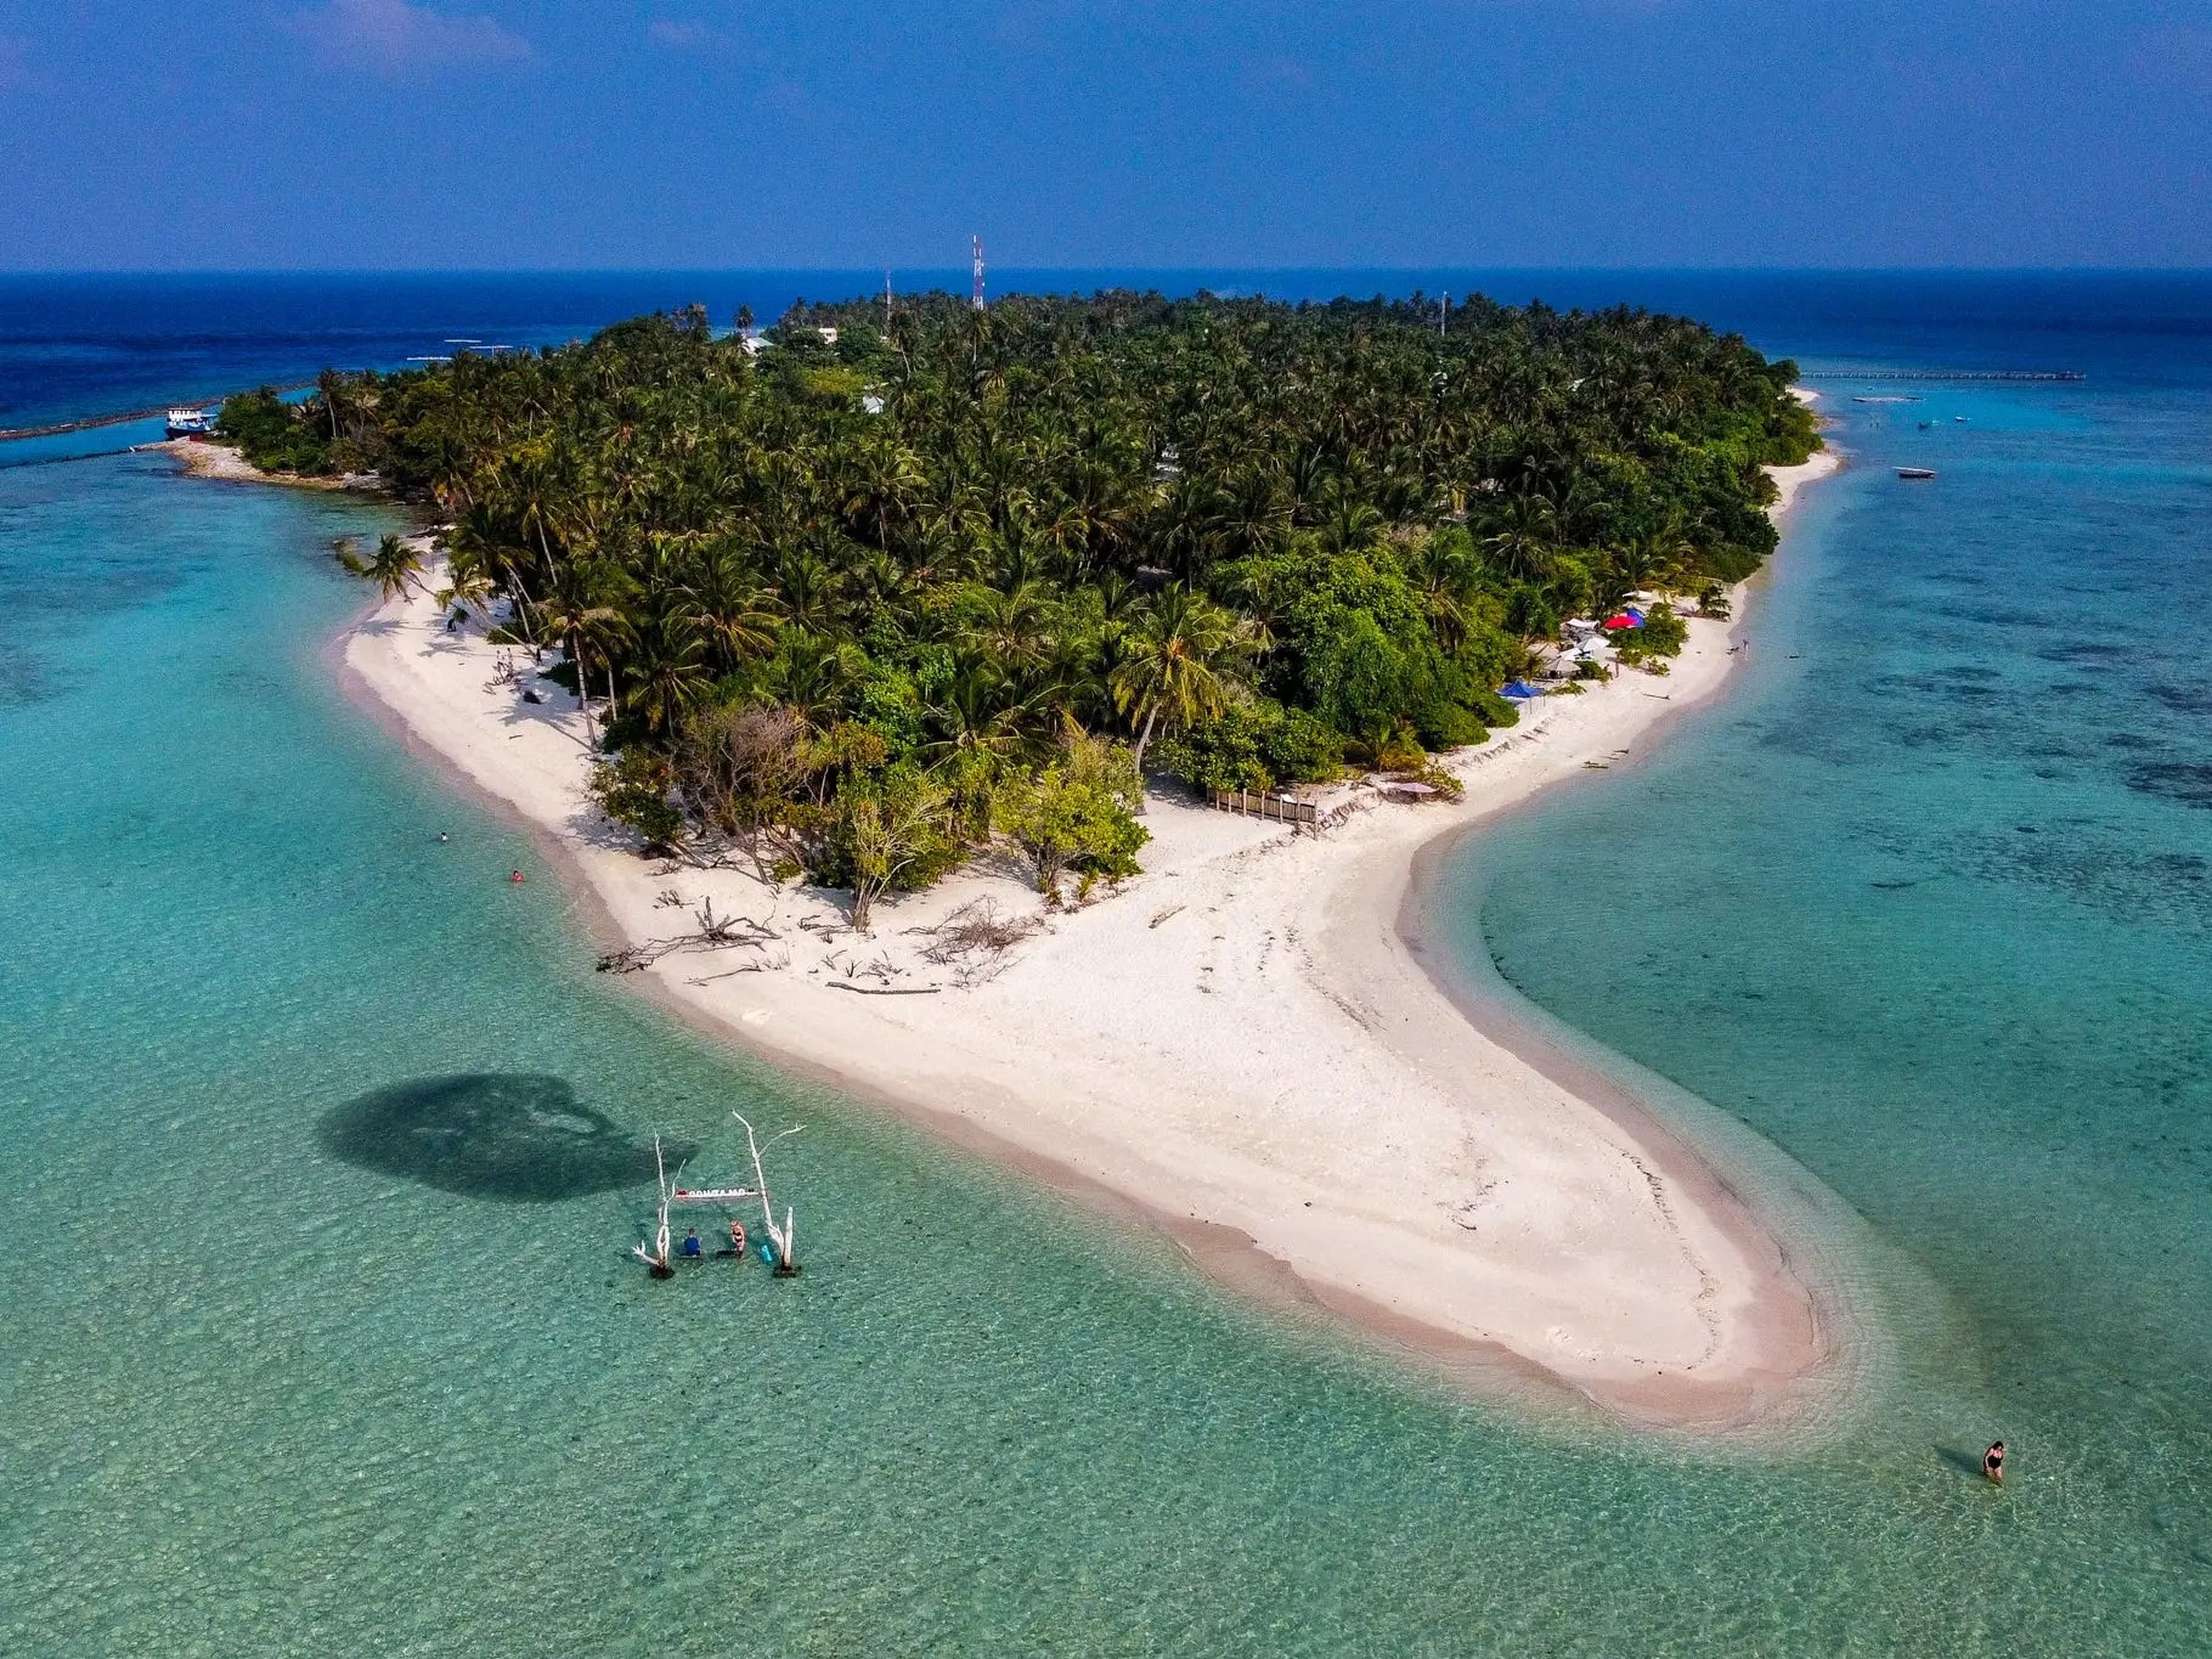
(1923, 901)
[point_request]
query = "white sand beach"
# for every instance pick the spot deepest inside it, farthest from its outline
(204, 459)
(1239, 1043)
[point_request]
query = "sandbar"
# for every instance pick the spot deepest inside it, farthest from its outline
(1242, 1044)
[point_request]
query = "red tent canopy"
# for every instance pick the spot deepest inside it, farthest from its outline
(1624, 620)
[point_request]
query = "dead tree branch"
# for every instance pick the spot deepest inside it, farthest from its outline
(714, 933)
(974, 941)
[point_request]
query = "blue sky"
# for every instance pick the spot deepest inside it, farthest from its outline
(723, 133)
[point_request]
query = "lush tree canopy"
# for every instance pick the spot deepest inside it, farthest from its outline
(857, 583)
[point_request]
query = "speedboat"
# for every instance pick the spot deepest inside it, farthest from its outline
(1915, 472)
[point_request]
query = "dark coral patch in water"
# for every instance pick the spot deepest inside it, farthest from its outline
(521, 1136)
(2183, 699)
(2175, 780)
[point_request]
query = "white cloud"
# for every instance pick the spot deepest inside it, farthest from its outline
(665, 32)
(390, 35)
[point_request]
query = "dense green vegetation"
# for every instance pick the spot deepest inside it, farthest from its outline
(274, 435)
(860, 600)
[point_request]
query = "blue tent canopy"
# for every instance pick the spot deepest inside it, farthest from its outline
(1522, 689)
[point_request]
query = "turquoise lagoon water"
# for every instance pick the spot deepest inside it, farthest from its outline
(1926, 904)
(321, 1145)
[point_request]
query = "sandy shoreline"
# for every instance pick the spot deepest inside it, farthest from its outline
(1243, 1045)
(203, 459)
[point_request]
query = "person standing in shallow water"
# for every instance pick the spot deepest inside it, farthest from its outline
(1993, 1463)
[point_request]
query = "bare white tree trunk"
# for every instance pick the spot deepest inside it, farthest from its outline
(781, 1236)
(1143, 740)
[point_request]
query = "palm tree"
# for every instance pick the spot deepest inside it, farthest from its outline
(982, 710)
(1256, 511)
(1449, 577)
(811, 591)
(1182, 533)
(809, 674)
(888, 479)
(585, 611)
(395, 569)
(468, 586)
(667, 664)
(734, 612)
(535, 481)
(1174, 665)
(1348, 525)
(1522, 541)
(1650, 558)
(603, 627)
(481, 535)
(1012, 625)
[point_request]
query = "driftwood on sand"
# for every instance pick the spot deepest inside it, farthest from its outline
(974, 941)
(713, 933)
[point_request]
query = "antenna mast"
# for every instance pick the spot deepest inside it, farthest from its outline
(977, 299)
(887, 304)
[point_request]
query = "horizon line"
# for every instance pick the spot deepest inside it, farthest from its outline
(50, 272)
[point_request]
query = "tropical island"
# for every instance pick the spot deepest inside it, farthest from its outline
(871, 594)
(937, 607)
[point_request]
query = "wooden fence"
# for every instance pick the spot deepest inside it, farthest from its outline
(1258, 804)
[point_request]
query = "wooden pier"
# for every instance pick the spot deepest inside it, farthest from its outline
(1264, 803)
(89, 422)
(1950, 375)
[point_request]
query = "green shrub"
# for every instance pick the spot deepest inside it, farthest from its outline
(889, 831)
(1401, 751)
(275, 435)
(1496, 710)
(1077, 815)
(1228, 753)
(632, 788)
(1302, 749)
(1663, 635)
(1452, 726)
(889, 705)
(1254, 744)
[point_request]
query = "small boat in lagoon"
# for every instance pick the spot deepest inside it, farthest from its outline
(1915, 472)
(777, 1249)
(189, 423)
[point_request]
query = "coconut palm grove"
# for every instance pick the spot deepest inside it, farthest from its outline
(855, 595)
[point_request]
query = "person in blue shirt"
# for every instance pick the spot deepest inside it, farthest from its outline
(691, 1242)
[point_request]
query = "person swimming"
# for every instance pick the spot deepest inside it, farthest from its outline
(1993, 1463)
(515, 876)
(691, 1243)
